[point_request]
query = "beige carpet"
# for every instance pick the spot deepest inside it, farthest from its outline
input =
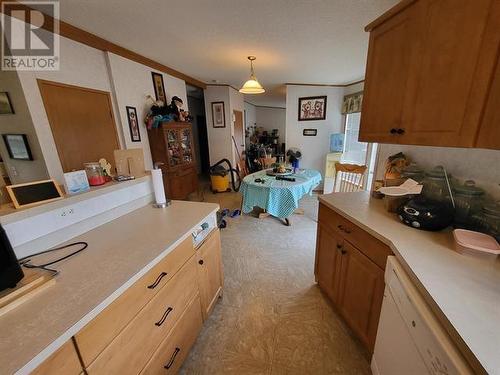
(272, 319)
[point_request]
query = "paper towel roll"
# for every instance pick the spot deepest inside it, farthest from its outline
(158, 186)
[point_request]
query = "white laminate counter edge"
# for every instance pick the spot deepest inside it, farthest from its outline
(56, 344)
(452, 331)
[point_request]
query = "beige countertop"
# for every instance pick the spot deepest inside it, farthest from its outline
(119, 253)
(463, 290)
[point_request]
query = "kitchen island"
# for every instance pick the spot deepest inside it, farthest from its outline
(121, 254)
(462, 291)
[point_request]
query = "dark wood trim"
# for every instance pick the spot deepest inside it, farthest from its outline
(79, 35)
(388, 14)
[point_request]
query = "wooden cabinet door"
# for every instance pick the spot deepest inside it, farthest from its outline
(64, 361)
(390, 55)
(327, 263)
(361, 293)
(489, 132)
(445, 90)
(210, 272)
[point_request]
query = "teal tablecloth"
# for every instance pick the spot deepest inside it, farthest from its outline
(279, 198)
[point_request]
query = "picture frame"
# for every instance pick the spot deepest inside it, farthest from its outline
(310, 132)
(312, 108)
(159, 87)
(34, 193)
(5, 104)
(76, 182)
(133, 124)
(17, 146)
(218, 115)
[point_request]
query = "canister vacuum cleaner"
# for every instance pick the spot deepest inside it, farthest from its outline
(219, 177)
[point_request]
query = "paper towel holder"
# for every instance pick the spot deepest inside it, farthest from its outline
(168, 202)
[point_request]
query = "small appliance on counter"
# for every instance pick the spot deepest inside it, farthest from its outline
(423, 213)
(10, 270)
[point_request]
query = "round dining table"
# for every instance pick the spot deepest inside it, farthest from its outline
(279, 198)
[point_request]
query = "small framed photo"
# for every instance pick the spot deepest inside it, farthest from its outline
(5, 104)
(17, 146)
(76, 182)
(159, 87)
(310, 132)
(312, 108)
(218, 115)
(133, 124)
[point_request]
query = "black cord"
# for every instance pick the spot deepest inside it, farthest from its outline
(25, 261)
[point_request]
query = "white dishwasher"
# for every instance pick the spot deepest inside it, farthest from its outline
(410, 340)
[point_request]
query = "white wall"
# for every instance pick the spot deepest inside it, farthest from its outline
(314, 149)
(219, 139)
(20, 122)
(271, 118)
(132, 83)
(80, 65)
(480, 165)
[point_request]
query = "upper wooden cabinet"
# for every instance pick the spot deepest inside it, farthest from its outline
(430, 74)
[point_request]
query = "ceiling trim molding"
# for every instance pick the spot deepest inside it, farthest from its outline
(324, 84)
(223, 85)
(264, 106)
(79, 35)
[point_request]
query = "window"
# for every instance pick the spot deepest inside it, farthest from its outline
(354, 151)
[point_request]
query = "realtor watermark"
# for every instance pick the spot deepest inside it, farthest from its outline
(31, 35)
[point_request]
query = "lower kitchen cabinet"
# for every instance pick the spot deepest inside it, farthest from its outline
(328, 257)
(351, 276)
(210, 272)
(361, 293)
(64, 362)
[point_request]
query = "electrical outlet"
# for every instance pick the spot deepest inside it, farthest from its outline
(67, 212)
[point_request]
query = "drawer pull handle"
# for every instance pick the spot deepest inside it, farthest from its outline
(200, 262)
(172, 359)
(343, 229)
(343, 251)
(393, 131)
(401, 131)
(165, 315)
(157, 281)
(339, 246)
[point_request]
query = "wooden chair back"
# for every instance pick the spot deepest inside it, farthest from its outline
(349, 177)
(267, 162)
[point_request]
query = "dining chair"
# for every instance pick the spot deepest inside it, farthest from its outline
(349, 177)
(267, 162)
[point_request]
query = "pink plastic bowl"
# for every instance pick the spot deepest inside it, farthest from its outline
(476, 243)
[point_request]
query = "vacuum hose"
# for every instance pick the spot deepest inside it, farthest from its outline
(231, 171)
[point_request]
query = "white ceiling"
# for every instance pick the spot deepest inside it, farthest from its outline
(302, 41)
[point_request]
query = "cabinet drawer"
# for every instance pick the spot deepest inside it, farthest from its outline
(370, 246)
(169, 357)
(131, 349)
(96, 335)
(64, 361)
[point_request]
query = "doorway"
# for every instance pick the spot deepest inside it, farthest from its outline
(239, 136)
(82, 123)
(196, 107)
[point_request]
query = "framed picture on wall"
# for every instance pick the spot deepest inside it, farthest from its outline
(17, 146)
(5, 104)
(133, 124)
(312, 108)
(159, 87)
(218, 115)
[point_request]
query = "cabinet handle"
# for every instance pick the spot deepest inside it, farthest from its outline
(393, 131)
(165, 315)
(347, 230)
(344, 229)
(200, 262)
(341, 227)
(157, 281)
(400, 131)
(172, 359)
(339, 246)
(343, 251)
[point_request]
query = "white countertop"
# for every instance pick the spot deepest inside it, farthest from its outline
(463, 291)
(119, 253)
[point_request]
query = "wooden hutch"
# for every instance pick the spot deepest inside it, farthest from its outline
(172, 144)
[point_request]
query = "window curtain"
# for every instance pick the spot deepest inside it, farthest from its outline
(352, 103)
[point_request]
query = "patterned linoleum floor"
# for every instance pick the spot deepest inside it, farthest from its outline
(273, 319)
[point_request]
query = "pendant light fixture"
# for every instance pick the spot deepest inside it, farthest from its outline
(252, 86)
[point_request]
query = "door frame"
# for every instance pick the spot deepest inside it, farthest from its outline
(42, 82)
